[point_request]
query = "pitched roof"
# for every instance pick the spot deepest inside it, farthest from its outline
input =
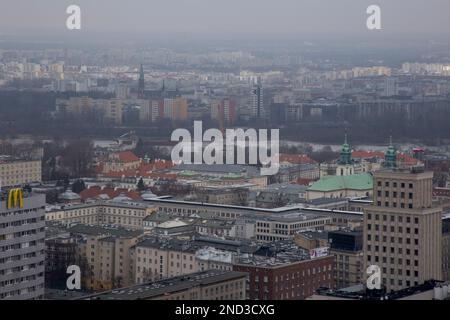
(362, 181)
(127, 156)
(296, 158)
(362, 154)
(95, 191)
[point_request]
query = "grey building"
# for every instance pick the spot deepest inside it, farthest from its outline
(22, 247)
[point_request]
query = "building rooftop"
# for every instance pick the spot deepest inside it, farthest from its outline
(358, 292)
(362, 181)
(275, 254)
(103, 230)
(168, 286)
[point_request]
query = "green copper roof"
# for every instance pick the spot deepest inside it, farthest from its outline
(232, 175)
(187, 173)
(362, 181)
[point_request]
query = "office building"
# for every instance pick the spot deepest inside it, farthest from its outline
(22, 245)
(285, 275)
(18, 171)
(347, 248)
(257, 100)
(403, 228)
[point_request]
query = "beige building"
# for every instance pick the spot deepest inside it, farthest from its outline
(127, 214)
(17, 172)
(120, 161)
(176, 108)
(286, 226)
(156, 259)
(106, 251)
(311, 239)
(403, 229)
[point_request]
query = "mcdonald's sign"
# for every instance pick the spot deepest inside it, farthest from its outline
(15, 198)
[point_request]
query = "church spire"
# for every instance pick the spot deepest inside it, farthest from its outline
(390, 157)
(346, 153)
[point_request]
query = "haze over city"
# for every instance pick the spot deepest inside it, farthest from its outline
(264, 19)
(231, 153)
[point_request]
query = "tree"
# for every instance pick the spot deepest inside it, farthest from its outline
(141, 185)
(78, 186)
(78, 158)
(66, 182)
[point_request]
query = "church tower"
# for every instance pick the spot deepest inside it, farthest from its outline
(390, 157)
(346, 153)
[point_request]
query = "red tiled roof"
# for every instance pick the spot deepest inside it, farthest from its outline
(95, 191)
(296, 158)
(127, 156)
(361, 154)
(401, 157)
(441, 192)
(143, 170)
(304, 181)
(407, 159)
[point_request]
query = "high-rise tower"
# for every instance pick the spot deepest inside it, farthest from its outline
(403, 228)
(141, 84)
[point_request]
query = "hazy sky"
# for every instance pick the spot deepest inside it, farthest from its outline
(429, 18)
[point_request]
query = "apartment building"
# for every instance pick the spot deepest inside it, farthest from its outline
(176, 108)
(17, 171)
(347, 247)
(106, 253)
(403, 228)
(109, 110)
(21, 245)
(155, 258)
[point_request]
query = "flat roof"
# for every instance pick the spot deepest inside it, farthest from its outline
(167, 286)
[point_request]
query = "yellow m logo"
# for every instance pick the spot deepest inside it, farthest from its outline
(15, 198)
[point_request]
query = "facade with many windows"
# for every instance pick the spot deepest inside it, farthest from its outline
(22, 247)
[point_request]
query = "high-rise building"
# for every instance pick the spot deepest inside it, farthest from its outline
(258, 110)
(175, 108)
(141, 84)
(22, 247)
(390, 87)
(403, 228)
(224, 111)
